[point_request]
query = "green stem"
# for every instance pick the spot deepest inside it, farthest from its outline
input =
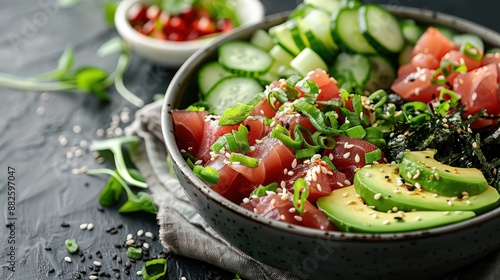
(26, 84)
(117, 78)
(110, 172)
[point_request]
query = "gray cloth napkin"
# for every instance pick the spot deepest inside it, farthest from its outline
(182, 229)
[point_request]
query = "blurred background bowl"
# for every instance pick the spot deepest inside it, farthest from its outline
(316, 254)
(171, 53)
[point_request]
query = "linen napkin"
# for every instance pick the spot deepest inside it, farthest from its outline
(182, 230)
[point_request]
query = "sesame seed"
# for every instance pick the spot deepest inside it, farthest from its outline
(340, 184)
(347, 182)
(290, 173)
(474, 145)
(417, 218)
(368, 174)
(386, 222)
(377, 196)
(298, 218)
(246, 200)
(468, 202)
(318, 186)
(145, 245)
(77, 129)
(84, 226)
(436, 175)
(183, 278)
(255, 210)
(93, 277)
(273, 202)
(415, 177)
(465, 194)
(285, 171)
(357, 158)
(90, 226)
(294, 163)
(283, 217)
(346, 155)
(435, 195)
(375, 216)
(394, 209)
(346, 194)
(130, 242)
(292, 210)
(417, 185)
(397, 191)
(68, 259)
(138, 273)
(129, 236)
(97, 263)
(350, 202)
(149, 234)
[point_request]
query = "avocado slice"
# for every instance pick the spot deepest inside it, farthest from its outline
(349, 213)
(382, 186)
(434, 176)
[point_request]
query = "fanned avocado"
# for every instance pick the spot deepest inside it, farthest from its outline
(350, 214)
(434, 176)
(383, 187)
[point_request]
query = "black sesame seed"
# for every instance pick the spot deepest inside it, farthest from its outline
(64, 225)
(83, 272)
(386, 176)
(100, 209)
(118, 246)
(78, 276)
(82, 259)
(103, 273)
(93, 273)
(114, 256)
(48, 249)
(80, 253)
(133, 261)
(113, 231)
(119, 226)
(127, 272)
(52, 270)
(447, 170)
(128, 264)
(91, 267)
(110, 229)
(410, 188)
(86, 184)
(119, 260)
(98, 254)
(116, 269)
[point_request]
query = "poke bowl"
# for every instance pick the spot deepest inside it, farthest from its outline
(391, 249)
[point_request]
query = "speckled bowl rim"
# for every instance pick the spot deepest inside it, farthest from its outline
(422, 15)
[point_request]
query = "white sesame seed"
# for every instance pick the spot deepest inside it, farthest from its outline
(318, 186)
(377, 196)
(77, 129)
(285, 171)
(292, 210)
(375, 216)
(78, 153)
(290, 173)
(40, 111)
(84, 226)
(417, 218)
(357, 159)
(90, 226)
(415, 177)
(149, 234)
(346, 155)
(474, 145)
(183, 278)
(346, 194)
(246, 200)
(63, 141)
(417, 185)
(97, 263)
(450, 203)
(386, 222)
(347, 182)
(435, 195)
(138, 273)
(446, 213)
(468, 202)
(397, 191)
(129, 236)
(350, 202)
(340, 184)
(294, 163)
(93, 277)
(282, 217)
(298, 218)
(145, 245)
(273, 202)
(130, 242)
(330, 156)
(68, 259)
(395, 209)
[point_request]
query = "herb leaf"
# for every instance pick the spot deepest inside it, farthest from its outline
(235, 114)
(110, 195)
(142, 201)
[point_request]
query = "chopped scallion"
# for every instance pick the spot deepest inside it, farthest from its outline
(372, 156)
(134, 253)
(154, 269)
(244, 160)
(72, 246)
(262, 190)
(207, 173)
(356, 132)
(300, 194)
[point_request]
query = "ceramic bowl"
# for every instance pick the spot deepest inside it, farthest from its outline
(315, 254)
(169, 53)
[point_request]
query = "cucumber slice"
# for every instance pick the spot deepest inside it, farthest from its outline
(298, 36)
(306, 61)
(473, 39)
(345, 30)
(357, 64)
(209, 75)
(244, 59)
(232, 90)
(411, 30)
(280, 55)
(381, 29)
(318, 46)
(404, 55)
(282, 34)
(318, 22)
(301, 10)
(382, 74)
(262, 39)
(331, 6)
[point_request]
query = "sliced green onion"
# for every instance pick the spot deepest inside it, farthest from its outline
(453, 96)
(241, 137)
(72, 246)
(154, 269)
(372, 156)
(357, 104)
(380, 96)
(315, 116)
(471, 51)
(276, 94)
(416, 112)
(281, 133)
(305, 153)
(292, 81)
(218, 144)
(235, 114)
(300, 194)
(207, 173)
(256, 99)
(309, 88)
(134, 253)
(262, 190)
(244, 160)
(375, 136)
(231, 145)
(328, 161)
(356, 132)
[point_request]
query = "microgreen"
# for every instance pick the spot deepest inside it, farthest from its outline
(115, 145)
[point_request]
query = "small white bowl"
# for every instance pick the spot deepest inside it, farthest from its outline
(169, 53)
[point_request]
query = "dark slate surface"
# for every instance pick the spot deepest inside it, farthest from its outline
(32, 36)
